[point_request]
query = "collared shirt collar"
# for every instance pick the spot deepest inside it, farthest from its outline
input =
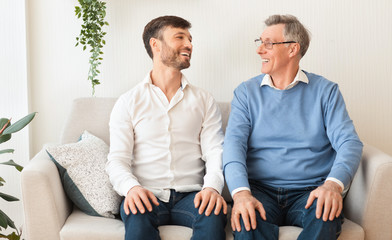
(184, 80)
(299, 77)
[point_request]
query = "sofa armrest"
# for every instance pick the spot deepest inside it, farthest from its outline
(46, 207)
(368, 201)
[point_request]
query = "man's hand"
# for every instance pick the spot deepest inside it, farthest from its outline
(245, 206)
(138, 198)
(207, 199)
(329, 197)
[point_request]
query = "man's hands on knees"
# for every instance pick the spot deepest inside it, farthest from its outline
(245, 206)
(138, 198)
(330, 199)
(207, 199)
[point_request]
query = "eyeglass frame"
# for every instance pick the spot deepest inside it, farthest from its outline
(259, 42)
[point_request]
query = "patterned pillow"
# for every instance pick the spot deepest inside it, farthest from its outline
(82, 170)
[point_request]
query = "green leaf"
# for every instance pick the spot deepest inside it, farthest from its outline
(3, 121)
(8, 198)
(6, 221)
(5, 138)
(19, 124)
(7, 151)
(2, 181)
(3, 220)
(14, 164)
(12, 236)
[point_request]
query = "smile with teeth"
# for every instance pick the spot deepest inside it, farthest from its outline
(185, 54)
(265, 60)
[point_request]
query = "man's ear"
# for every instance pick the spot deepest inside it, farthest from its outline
(155, 45)
(294, 49)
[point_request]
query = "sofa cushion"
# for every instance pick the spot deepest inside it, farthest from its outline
(81, 226)
(82, 170)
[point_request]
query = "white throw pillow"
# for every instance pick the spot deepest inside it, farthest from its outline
(82, 170)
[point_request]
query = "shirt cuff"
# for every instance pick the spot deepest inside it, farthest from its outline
(214, 181)
(336, 181)
(125, 187)
(239, 189)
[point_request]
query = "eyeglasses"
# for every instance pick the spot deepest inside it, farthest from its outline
(269, 45)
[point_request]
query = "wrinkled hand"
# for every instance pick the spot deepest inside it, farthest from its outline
(138, 198)
(207, 199)
(245, 206)
(329, 198)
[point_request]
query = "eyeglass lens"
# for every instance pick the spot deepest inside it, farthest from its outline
(267, 45)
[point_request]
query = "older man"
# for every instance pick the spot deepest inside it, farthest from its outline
(290, 150)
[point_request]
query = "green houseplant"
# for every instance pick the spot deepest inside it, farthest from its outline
(6, 131)
(93, 13)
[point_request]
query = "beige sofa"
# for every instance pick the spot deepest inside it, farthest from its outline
(49, 215)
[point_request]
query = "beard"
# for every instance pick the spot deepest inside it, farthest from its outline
(171, 58)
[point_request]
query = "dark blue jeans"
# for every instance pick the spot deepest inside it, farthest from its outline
(180, 210)
(287, 207)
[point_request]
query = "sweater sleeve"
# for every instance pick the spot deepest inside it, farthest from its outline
(236, 141)
(343, 137)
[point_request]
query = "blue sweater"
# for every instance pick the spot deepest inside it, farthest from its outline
(291, 138)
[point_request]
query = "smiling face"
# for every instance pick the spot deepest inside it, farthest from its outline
(176, 48)
(274, 61)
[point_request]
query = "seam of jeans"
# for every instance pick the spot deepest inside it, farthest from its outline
(193, 217)
(184, 212)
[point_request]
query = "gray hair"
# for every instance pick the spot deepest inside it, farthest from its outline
(293, 30)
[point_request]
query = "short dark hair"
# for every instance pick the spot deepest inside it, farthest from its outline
(155, 27)
(294, 30)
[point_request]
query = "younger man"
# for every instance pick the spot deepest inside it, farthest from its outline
(166, 144)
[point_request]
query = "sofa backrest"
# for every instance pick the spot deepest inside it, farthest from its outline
(93, 114)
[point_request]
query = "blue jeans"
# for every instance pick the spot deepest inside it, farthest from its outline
(180, 210)
(287, 207)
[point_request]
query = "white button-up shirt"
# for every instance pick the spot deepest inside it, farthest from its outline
(164, 145)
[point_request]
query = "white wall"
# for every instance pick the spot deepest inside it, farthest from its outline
(351, 45)
(14, 98)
